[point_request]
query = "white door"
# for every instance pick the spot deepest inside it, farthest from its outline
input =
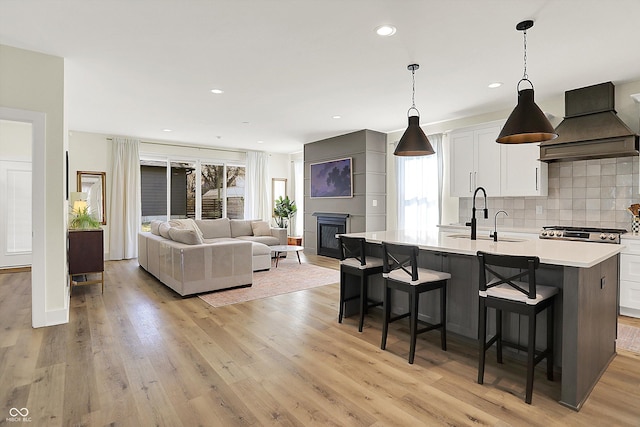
(15, 213)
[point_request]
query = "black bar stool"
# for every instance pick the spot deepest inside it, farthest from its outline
(508, 292)
(354, 261)
(401, 272)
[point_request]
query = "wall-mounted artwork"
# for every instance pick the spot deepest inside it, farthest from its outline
(332, 179)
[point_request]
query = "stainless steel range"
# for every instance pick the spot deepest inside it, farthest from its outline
(584, 234)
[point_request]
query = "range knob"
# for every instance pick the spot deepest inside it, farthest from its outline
(558, 233)
(544, 233)
(612, 237)
(603, 236)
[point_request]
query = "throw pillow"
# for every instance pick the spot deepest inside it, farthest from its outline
(187, 224)
(260, 228)
(186, 236)
(163, 229)
(155, 227)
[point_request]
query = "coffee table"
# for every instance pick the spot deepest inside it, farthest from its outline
(278, 249)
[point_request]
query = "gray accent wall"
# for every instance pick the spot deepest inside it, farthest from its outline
(368, 149)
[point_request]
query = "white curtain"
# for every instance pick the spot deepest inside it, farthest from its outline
(420, 182)
(124, 212)
(297, 188)
(256, 197)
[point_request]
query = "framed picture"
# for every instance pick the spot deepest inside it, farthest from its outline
(332, 179)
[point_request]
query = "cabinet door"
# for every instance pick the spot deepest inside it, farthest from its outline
(488, 160)
(86, 251)
(462, 163)
(522, 173)
(462, 294)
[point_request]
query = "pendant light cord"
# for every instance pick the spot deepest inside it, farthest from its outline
(524, 75)
(413, 68)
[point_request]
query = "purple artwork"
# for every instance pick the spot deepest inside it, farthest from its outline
(332, 179)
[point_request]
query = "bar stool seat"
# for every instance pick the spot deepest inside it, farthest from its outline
(401, 272)
(507, 292)
(355, 262)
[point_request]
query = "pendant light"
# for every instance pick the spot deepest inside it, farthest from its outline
(414, 142)
(527, 123)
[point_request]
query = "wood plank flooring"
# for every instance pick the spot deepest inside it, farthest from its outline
(140, 355)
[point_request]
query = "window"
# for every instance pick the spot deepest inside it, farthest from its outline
(192, 189)
(419, 193)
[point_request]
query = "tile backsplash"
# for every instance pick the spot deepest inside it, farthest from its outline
(592, 193)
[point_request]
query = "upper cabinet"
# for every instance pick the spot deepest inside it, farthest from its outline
(504, 170)
(475, 160)
(522, 173)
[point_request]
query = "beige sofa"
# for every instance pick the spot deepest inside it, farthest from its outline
(192, 257)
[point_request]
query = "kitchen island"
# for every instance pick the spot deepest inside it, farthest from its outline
(585, 312)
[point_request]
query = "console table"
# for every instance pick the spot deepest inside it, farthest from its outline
(86, 256)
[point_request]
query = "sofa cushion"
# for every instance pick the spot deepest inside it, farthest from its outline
(186, 224)
(155, 227)
(260, 249)
(163, 229)
(186, 236)
(214, 228)
(260, 228)
(241, 227)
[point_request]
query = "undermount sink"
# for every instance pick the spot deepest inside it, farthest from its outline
(483, 237)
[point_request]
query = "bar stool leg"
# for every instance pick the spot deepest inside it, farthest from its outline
(413, 325)
(443, 317)
(482, 339)
(531, 352)
(342, 291)
(499, 334)
(363, 301)
(550, 331)
(386, 303)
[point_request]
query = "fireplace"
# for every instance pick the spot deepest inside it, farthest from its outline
(330, 224)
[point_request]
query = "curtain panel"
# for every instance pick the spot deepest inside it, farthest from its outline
(256, 201)
(124, 211)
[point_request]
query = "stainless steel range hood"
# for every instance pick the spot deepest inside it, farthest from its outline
(591, 128)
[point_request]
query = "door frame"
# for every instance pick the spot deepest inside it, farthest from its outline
(38, 242)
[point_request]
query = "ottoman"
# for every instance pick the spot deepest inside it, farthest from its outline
(261, 259)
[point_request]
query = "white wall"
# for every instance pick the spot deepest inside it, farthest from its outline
(15, 141)
(34, 82)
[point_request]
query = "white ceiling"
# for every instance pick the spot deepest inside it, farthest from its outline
(134, 68)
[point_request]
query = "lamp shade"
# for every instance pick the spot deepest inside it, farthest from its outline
(527, 123)
(414, 142)
(79, 206)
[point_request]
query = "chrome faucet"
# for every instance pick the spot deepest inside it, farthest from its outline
(473, 223)
(495, 226)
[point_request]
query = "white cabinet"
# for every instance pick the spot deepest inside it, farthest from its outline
(475, 160)
(522, 174)
(630, 278)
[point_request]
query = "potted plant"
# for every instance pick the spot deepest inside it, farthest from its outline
(83, 220)
(283, 211)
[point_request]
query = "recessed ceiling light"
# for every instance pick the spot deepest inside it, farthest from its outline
(260, 142)
(217, 91)
(385, 30)
(167, 130)
(336, 117)
(495, 85)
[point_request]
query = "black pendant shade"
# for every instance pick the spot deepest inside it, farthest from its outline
(527, 123)
(414, 142)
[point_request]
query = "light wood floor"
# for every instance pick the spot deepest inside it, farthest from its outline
(139, 355)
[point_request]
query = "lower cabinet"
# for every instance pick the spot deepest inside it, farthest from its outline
(630, 279)
(86, 257)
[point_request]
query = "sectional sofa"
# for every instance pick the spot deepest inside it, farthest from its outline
(195, 256)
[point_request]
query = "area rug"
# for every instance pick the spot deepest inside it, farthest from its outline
(628, 338)
(288, 277)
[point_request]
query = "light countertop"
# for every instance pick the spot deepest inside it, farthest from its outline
(555, 252)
